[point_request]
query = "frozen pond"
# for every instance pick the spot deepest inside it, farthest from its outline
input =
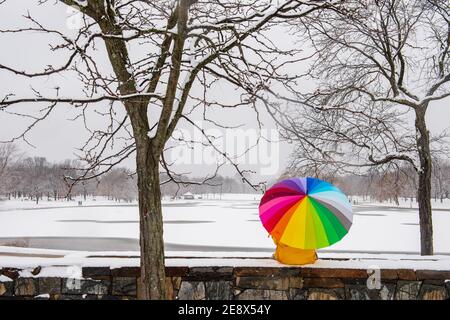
(208, 225)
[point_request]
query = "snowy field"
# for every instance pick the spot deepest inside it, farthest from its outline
(210, 227)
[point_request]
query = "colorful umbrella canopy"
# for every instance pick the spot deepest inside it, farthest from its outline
(305, 213)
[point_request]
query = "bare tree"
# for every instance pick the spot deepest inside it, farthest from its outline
(118, 184)
(8, 154)
(34, 176)
(155, 53)
(376, 64)
(441, 178)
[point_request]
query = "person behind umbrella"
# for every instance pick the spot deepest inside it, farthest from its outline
(293, 256)
(302, 215)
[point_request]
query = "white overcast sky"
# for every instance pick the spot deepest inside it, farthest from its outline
(57, 138)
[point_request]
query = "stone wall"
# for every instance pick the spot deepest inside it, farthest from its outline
(241, 283)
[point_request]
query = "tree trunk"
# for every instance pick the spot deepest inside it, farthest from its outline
(424, 189)
(152, 282)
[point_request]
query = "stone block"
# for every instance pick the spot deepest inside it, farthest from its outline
(172, 286)
(297, 294)
(325, 294)
(296, 282)
(266, 271)
(94, 272)
(323, 283)
(269, 283)
(407, 290)
(132, 272)
(389, 274)
(218, 290)
(432, 275)
(85, 286)
(406, 274)
(176, 282)
(192, 290)
(124, 286)
(177, 271)
(26, 287)
(334, 273)
(210, 273)
(6, 288)
(362, 292)
(432, 292)
(51, 286)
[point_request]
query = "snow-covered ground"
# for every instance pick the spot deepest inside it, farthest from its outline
(210, 227)
(402, 203)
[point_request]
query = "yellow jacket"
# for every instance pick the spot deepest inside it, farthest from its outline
(294, 256)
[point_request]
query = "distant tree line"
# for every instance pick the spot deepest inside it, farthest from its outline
(390, 183)
(398, 183)
(36, 178)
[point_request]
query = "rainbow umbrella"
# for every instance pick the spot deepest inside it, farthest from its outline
(305, 213)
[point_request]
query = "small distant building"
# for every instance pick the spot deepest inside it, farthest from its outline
(188, 196)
